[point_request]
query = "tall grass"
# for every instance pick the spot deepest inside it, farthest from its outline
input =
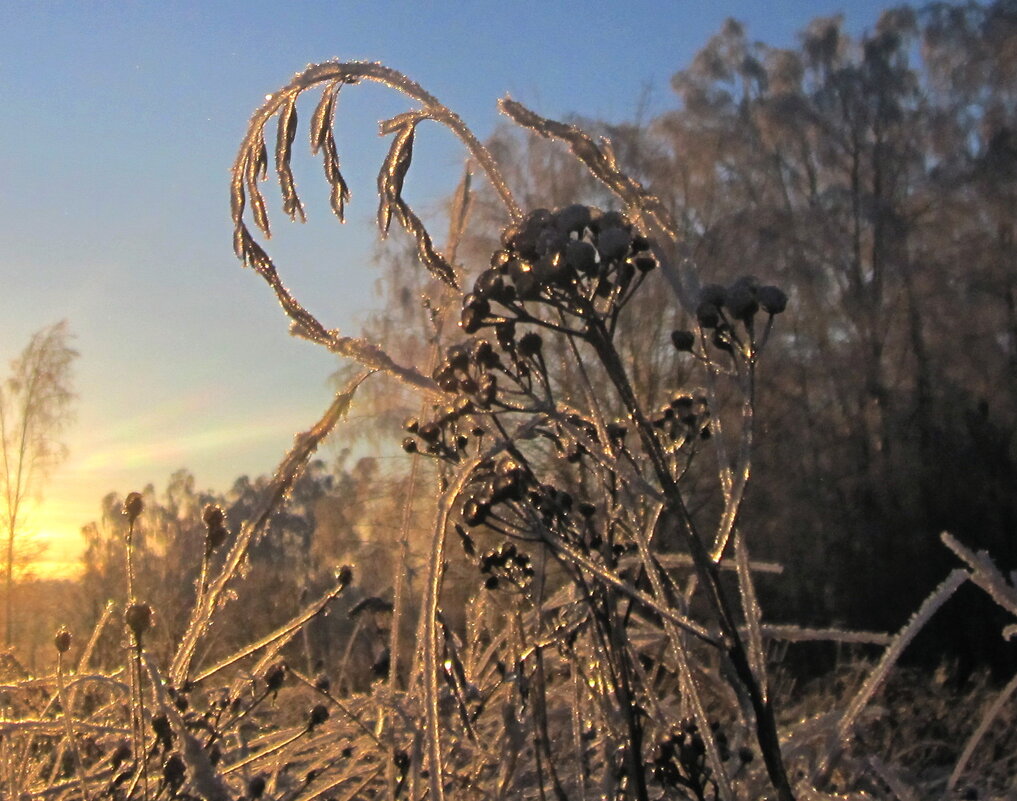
(614, 648)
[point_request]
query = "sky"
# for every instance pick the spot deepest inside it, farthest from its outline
(118, 124)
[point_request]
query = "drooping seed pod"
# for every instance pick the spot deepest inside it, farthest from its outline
(410, 445)
(644, 262)
(712, 294)
(62, 640)
(134, 505)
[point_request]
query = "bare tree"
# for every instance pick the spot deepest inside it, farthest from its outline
(35, 408)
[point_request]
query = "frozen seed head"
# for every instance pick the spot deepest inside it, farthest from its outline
(343, 576)
(683, 341)
(613, 243)
(707, 315)
(138, 618)
(213, 515)
(275, 676)
(772, 299)
(573, 218)
(62, 640)
(133, 506)
(530, 344)
(581, 256)
(318, 715)
(410, 445)
(741, 300)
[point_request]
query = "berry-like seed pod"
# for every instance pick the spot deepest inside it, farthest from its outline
(581, 256)
(611, 219)
(275, 676)
(319, 714)
(471, 321)
(344, 576)
(573, 218)
(212, 515)
(490, 284)
(613, 243)
(550, 240)
(216, 536)
(506, 335)
(62, 640)
(475, 512)
(741, 301)
(411, 425)
(644, 263)
(133, 506)
(410, 445)
(429, 432)
(772, 299)
(530, 344)
(683, 340)
(138, 618)
(708, 315)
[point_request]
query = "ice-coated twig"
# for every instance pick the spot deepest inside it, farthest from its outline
(753, 614)
(879, 674)
(986, 575)
(979, 733)
(282, 634)
(286, 475)
(599, 160)
(435, 573)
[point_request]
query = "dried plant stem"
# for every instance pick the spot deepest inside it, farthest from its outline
(286, 475)
(67, 713)
(988, 718)
(676, 513)
(429, 613)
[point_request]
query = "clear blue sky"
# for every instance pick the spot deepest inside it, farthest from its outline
(119, 124)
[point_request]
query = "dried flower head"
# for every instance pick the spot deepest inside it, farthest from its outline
(134, 505)
(62, 640)
(138, 618)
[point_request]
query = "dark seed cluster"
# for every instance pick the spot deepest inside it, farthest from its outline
(580, 260)
(728, 314)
